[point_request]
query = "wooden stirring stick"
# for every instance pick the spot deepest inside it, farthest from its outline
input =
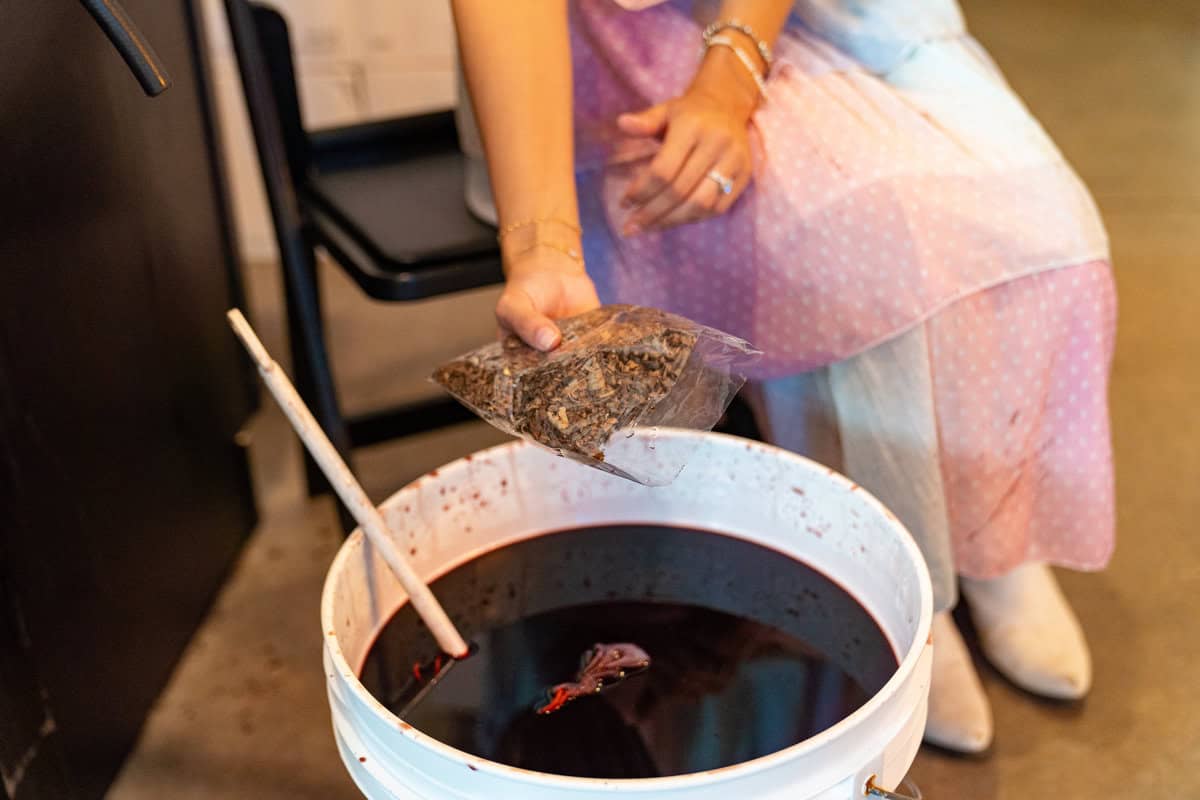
(352, 494)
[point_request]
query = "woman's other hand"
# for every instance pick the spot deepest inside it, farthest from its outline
(705, 161)
(543, 285)
(702, 135)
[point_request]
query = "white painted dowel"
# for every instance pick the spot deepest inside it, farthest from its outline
(352, 494)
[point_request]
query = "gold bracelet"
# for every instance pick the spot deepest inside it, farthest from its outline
(525, 223)
(571, 252)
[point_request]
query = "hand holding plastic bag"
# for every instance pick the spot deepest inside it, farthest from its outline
(620, 373)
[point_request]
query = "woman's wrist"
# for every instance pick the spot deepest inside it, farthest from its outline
(544, 257)
(724, 79)
(742, 34)
(558, 252)
(551, 242)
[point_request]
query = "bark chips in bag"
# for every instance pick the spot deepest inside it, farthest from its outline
(620, 374)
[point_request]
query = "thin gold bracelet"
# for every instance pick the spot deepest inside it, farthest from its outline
(525, 223)
(571, 252)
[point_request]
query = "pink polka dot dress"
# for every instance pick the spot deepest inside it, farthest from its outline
(899, 182)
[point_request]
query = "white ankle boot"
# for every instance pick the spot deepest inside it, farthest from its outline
(1029, 633)
(960, 717)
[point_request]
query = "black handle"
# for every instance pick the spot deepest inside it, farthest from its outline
(130, 43)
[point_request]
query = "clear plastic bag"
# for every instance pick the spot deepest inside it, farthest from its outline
(620, 374)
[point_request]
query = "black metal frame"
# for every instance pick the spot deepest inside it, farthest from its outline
(289, 157)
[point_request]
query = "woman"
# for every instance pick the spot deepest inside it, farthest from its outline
(852, 187)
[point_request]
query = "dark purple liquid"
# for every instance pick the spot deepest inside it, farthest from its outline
(723, 687)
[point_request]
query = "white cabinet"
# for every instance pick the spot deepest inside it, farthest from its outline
(356, 60)
(406, 52)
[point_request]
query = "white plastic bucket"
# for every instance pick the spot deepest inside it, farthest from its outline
(732, 486)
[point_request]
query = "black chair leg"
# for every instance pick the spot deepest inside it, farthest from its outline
(310, 359)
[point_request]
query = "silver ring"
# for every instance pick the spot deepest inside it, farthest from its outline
(726, 184)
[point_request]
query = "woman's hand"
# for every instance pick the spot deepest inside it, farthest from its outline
(543, 285)
(702, 133)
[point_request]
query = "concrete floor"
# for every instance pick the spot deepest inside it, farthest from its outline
(1117, 82)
